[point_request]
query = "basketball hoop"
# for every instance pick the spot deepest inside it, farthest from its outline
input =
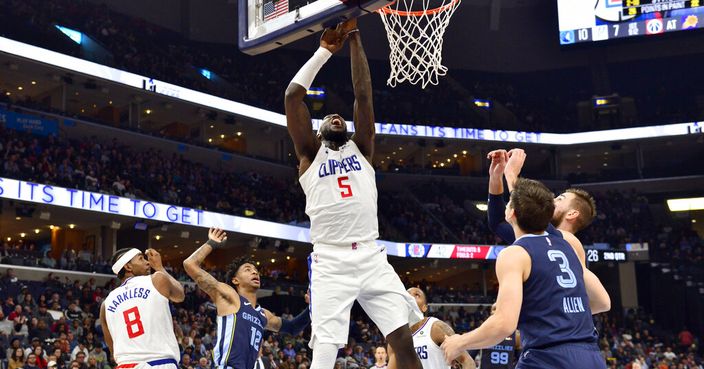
(415, 39)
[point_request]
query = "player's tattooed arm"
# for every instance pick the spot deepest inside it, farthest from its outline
(106, 332)
(192, 265)
(439, 332)
(363, 95)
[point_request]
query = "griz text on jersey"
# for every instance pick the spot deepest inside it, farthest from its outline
(346, 165)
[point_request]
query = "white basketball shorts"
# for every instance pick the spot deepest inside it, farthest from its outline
(339, 275)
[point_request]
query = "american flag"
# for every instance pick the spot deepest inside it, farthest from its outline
(274, 9)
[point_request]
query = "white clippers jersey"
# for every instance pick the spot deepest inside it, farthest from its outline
(341, 196)
(430, 354)
(140, 323)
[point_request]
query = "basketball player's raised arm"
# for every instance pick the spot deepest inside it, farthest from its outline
(599, 300)
(167, 285)
(364, 129)
(106, 331)
(442, 330)
(298, 120)
(496, 207)
(220, 293)
(512, 267)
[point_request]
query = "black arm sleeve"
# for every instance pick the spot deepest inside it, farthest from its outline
(496, 214)
(297, 324)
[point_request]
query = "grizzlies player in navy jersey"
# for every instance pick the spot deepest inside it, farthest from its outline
(541, 292)
(241, 323)
(503, 355)
(428, 335)
(339, 181)
(574, 210)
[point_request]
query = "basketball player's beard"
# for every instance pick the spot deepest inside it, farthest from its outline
(337, 137)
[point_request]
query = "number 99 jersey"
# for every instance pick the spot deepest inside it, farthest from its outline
(140, 323)
(500, 356)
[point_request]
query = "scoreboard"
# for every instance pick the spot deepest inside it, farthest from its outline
(599, 20)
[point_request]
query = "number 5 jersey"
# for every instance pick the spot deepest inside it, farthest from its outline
(140, 323)
(341, 196)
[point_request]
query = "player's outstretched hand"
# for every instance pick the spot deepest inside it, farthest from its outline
(154, 260)
(349, 26)
(516, 158)
(498, 162)
(333, 38)
(453, 346)
(217, 237)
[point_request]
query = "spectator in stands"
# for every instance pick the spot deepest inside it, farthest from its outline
(73, 313)
(17, 359)
(41, 357)
(686, 339)
(31, 362)
(185, 362)
(203, 363)
(101, 358)
(80, 348)
(43, 314)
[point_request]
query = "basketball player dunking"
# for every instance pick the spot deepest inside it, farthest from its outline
(135, 316)
(541, 292)
(574, 210)
(428, 335)
(241, 323)
(341, 200)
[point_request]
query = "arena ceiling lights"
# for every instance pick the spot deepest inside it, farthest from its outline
(687, 204)
(199, 98)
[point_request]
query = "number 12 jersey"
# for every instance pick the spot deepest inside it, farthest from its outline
(140, 323)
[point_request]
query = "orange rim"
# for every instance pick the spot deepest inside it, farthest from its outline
(418, 13)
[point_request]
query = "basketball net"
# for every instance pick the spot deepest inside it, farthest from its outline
(415, 38)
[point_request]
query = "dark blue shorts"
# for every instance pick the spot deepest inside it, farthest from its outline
(568, 355)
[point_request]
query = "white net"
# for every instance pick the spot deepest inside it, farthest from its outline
(415, 38)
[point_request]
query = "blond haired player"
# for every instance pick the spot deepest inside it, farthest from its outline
(135, 316)
(341, 200)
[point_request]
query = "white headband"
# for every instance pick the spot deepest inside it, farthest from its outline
(124, 259)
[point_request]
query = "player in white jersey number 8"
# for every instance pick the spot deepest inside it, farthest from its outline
(338, 179)
(135, 316)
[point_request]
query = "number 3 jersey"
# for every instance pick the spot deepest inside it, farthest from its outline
(430, 354)
(555, 307)
(341, 196)
(239, 337)
(140, 323)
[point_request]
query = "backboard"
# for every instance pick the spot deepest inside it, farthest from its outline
(265, 25)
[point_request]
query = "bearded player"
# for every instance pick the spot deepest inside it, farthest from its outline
(136, 317)
(574, 210)
(428, 335)
(341, 200)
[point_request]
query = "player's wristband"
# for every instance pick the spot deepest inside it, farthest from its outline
(215, 244)
(310, 69)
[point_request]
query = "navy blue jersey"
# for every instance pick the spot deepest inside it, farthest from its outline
(239, 337)
(555, 307)
(500, 356)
